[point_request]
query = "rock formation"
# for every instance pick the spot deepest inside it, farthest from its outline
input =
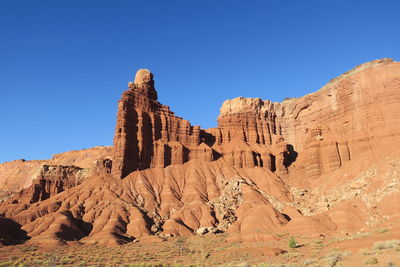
(20, 174)
(324, 163)
(147, 133)
(51, 180)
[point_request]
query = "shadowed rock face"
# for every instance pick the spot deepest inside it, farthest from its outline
(324, 163)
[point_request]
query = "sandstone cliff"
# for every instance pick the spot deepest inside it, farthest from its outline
(345, 118)
(147, 133)
(20, 174)
(324, 163)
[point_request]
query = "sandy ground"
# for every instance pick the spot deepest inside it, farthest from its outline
(379, 247)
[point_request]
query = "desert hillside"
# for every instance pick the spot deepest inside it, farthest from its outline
(326, 165)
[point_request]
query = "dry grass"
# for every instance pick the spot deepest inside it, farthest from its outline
(371, 261)
(197, 251)
(386, 244)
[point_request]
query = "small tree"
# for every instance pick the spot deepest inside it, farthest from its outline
(292, 242)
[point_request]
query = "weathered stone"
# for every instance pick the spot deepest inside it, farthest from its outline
(321, 164)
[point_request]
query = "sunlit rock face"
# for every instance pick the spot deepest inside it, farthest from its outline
(147, 133)
(343, 119)
(324, 164)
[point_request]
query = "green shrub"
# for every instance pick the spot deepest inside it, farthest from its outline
(382, 231)
(292, 242)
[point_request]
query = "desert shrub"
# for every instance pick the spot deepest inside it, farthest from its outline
(333, 259)
(346, 253)
(366, 252)
(307, 262)
(292, 242)
(382, 231)
(386, 244)
(371, 261)
(181, 245)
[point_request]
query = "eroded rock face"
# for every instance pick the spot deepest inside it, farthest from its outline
(326, 129)
(147, 133)
(51, 180)
(343, 119)
(19, 174)
(247, 134)
(326, 163)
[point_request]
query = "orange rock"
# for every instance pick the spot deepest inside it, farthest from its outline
(323, 164)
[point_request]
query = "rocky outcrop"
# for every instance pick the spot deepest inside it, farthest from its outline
(247, 135)
(148, 134)
(345, 118)
(172, 201)
(51, 180)
(19, 174)
(312, 165)
(326, 129)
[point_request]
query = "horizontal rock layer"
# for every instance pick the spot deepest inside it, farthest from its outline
(343, 119)
(321, 164)
(148, 134)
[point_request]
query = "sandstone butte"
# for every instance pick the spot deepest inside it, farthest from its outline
(324, 164)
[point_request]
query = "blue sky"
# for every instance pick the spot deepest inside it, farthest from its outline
(64, 64)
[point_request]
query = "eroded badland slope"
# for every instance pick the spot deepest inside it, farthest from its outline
(323, 166)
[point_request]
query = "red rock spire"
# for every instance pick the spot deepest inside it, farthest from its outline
(148, 134)
(144, 83)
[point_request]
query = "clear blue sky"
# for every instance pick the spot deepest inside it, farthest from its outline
(65, 63)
